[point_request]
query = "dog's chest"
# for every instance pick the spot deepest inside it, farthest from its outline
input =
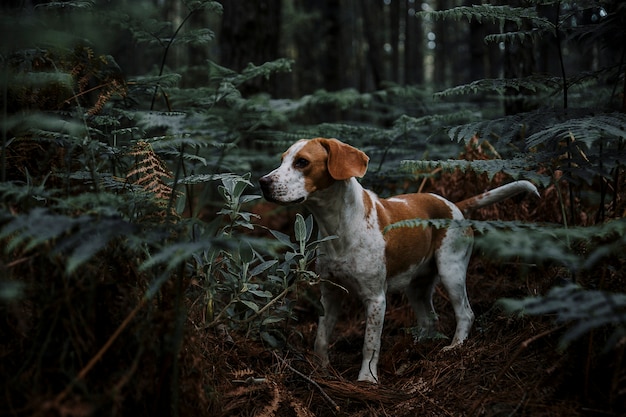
(354, 262)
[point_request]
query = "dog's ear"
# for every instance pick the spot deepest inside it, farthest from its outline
(344, 161)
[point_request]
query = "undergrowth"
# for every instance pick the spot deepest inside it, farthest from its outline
(128, 203)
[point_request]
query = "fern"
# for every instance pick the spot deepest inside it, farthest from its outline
(494, 14)
(582, 310)
(150, 172)
(577, 248)
(517, 36)
(538, 242)
(64, 5)
(264, 70)
(587, 130)
(195, 37)
(519, 167)
(503, 85)
(79, 238)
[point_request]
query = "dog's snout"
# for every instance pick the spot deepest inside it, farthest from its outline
(266, 186)
(265, 181)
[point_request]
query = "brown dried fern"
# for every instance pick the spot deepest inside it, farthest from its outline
(270, 409)
(242, 374)
(150, 172)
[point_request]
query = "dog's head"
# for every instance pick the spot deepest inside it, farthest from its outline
(311, 165)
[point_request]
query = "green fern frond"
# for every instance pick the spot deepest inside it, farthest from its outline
(545, 125)
(206, 5)
(264, 70)
(558, 245)
(493, 14)
(516, 167)
(196, 37)
(503, 85)
(538, 242)
(66, 5)
(149, 81)
(404, 122)
(517, 36)
(80, 238)
(582, 310)
(588, 130)
(481, 226)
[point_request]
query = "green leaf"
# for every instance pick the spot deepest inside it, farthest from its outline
(272, 320)
(271, 340)
(300, 228)
(283, 238)
(251, 305)
(262, 267)
(261, 294)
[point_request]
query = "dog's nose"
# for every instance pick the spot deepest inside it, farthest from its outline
(265, 181)
(266, 184)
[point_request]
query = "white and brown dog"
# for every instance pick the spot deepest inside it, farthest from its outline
(321, 174)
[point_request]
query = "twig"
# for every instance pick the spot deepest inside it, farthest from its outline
(83, 372)
(268, 305)
(309, 380)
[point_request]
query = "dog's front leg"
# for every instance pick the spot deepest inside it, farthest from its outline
(331, 299)
(373, 329)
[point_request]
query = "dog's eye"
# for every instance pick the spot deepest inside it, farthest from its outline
(300, 163)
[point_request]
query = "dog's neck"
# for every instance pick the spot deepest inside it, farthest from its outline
(338, 210)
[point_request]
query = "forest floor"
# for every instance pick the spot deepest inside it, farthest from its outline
(509, 366)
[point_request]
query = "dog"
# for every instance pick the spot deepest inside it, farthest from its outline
(321, 174)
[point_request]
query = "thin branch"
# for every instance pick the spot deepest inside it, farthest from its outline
(310, 381)
(167, 48)
(96, 358)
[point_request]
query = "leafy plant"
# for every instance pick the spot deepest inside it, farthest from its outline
(244, 289)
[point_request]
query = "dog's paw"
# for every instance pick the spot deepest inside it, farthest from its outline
(451, 346)
(368, 377)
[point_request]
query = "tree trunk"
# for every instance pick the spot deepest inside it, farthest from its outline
(373, 30)
(250, 33)
(413, 51)
(442, 49)
(519, 62)
(394, 41)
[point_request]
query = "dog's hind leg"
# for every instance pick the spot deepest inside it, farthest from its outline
(419, 294)
(452, 260)
(332, 300)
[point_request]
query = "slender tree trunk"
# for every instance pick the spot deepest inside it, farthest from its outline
(477, 50)
(442, 58)
(394, 41)
(413, 48)
(373, 30)
(250, 33)
(331, 38)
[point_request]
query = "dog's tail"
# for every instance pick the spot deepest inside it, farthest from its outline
(497, 194)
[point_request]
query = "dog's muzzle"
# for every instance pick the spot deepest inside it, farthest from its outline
(267, 187)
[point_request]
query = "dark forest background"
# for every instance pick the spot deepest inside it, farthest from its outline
(142, 273)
